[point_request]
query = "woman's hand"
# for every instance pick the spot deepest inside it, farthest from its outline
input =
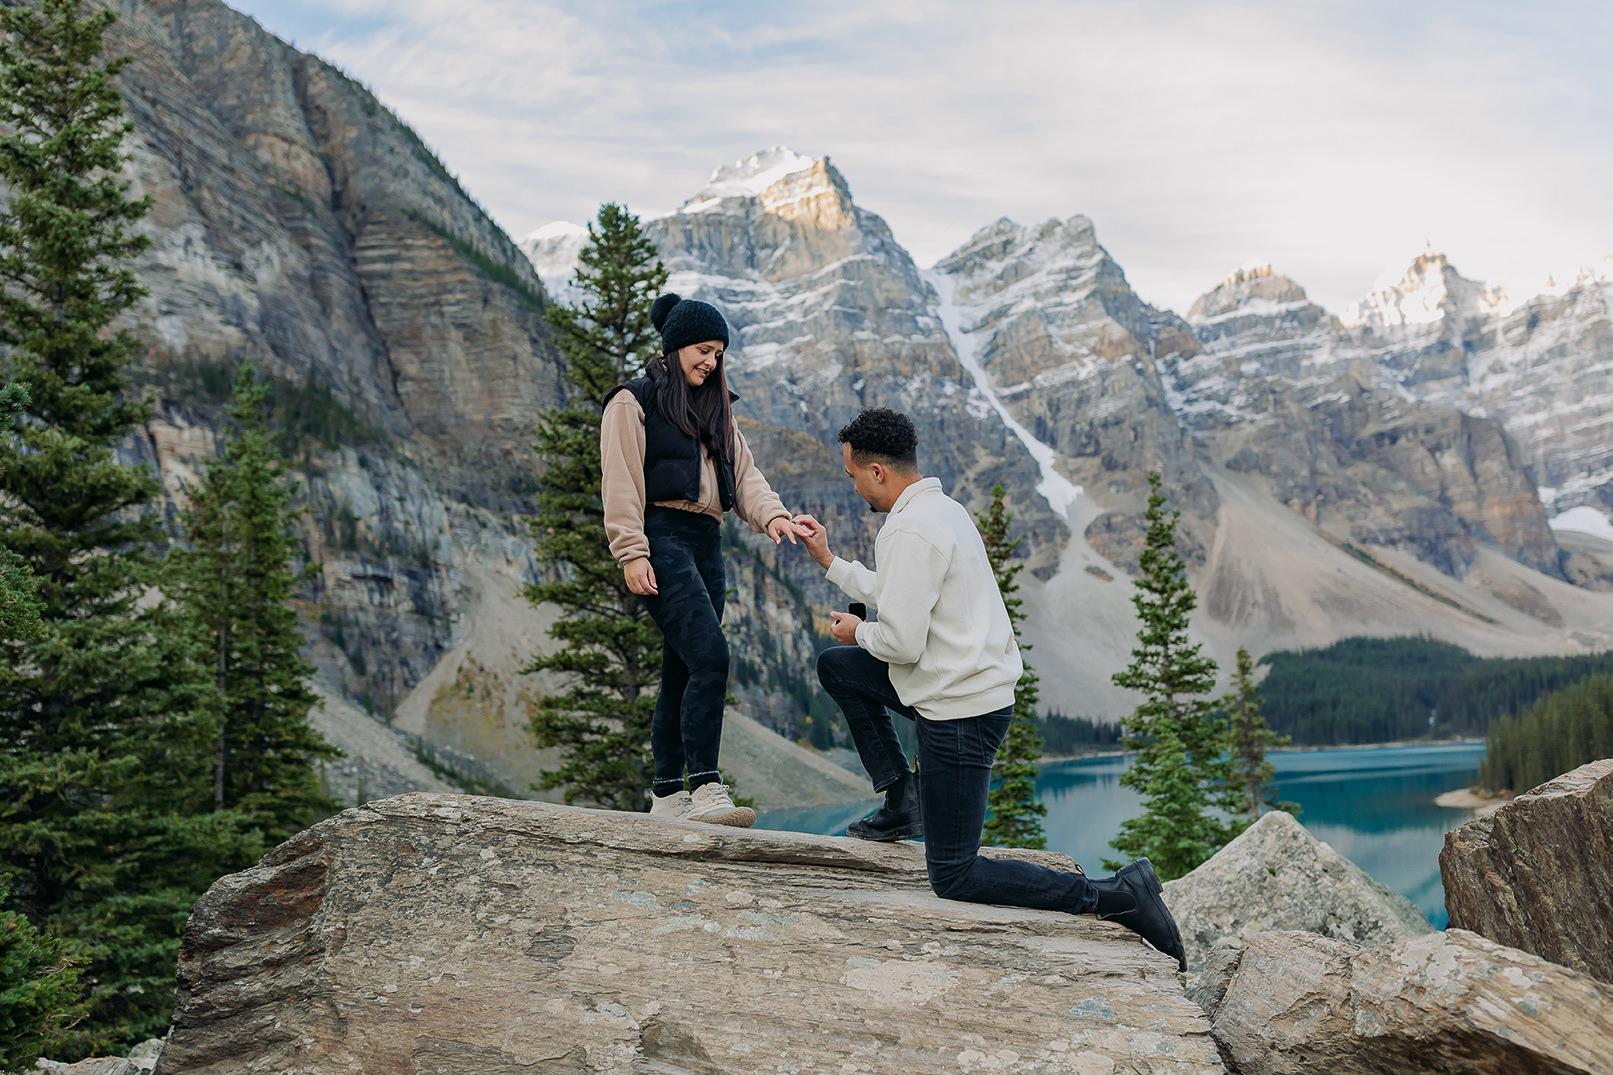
(640, 576)
(783, 527)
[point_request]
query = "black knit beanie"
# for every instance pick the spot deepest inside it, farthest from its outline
(682, 322)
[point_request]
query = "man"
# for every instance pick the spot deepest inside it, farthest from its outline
(942, 654)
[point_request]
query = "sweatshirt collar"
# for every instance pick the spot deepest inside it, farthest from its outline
(918, 488)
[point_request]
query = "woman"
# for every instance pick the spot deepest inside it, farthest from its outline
(673, 462)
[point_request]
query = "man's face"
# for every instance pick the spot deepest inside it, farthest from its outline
(869, 481)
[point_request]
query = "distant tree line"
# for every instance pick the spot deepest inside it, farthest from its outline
(1063, 735)
(1560, 732)
(1373, 690)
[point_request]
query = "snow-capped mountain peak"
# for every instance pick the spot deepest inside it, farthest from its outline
(751, 176)
(1254, 287)
(1428, 292)
(553, 251)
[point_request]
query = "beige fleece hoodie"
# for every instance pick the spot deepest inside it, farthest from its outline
(621, 457)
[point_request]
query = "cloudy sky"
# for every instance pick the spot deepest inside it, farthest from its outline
(1332, 139)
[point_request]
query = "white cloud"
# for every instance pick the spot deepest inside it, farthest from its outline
(1329, 139)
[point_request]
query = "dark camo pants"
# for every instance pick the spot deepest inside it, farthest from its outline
(686, 730)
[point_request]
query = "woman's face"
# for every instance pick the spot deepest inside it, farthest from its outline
(700, 361)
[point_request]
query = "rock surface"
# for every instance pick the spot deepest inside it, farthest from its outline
(1538, 873)
(141, 1059)
(1294, 1004)
(1277, 876)
(436, 933)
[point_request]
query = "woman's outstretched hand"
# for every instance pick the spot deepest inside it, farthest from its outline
(784, 527)
(640, 577)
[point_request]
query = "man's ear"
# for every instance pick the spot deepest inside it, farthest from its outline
(879, 472)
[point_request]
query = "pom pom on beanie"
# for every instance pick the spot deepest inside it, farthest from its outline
(682, 322)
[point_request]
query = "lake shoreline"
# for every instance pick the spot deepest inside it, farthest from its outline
(1465, 799)
(1304, 748)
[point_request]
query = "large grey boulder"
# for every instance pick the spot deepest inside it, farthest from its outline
(438, 933)
(1538, 873)
(1277, 876)
(1293, 1003)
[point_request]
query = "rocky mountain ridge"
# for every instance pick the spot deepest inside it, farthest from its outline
(1257, 400)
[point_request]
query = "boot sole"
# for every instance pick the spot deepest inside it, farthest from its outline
(742, 817)
(1153, 882)
(906, 832)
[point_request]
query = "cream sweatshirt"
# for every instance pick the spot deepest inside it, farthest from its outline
(621, 458)
(942, 626)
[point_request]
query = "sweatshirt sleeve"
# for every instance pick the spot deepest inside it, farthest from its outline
(754, 499)
(855, 581)
(621, 465)
(910, 576)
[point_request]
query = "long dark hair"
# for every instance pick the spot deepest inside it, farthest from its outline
(705, 412)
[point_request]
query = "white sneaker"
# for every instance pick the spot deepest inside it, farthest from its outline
(714, 803)
(674, 807)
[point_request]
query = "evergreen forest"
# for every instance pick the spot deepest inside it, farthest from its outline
(1376, 690)
(1560, 732)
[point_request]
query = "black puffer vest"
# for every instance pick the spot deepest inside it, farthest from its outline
(671, 456)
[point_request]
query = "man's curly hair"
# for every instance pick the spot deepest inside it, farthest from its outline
(881, 435)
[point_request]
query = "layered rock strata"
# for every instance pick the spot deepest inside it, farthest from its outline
(435, 933)
(1074, 354)
(1540, 362)
(1538, 873)
(1276, 876)
(1298, 1004)
(299, 224)
(1281, 389)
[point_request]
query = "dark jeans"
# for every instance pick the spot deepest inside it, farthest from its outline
(686, 729)
(955, 759)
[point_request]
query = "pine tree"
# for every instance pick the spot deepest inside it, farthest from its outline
(1014, 817)
(19, 603)
(1179, 765)
(39, 989)
(610, 649)
(236, 583)
(104, 715)
(1248, 739)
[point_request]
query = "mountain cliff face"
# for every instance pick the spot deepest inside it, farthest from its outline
(299, 225)
(1282, 389)
(1541, 364)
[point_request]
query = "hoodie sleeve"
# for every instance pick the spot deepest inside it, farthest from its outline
(621, 465)
(910, 576)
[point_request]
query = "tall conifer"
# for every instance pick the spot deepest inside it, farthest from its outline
(236, 583)
(1014, 817)
(1248, 739)
(1179, 765)
(104, 716)
(610, 649)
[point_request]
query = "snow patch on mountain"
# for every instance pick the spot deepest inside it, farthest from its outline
(1059, 492)
(553, 250)
(1584, 520)
(749, 177)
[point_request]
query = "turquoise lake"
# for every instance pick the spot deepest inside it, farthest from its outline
(1374, 805)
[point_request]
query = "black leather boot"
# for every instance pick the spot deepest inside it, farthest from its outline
(1131, 898)
(901, 818)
